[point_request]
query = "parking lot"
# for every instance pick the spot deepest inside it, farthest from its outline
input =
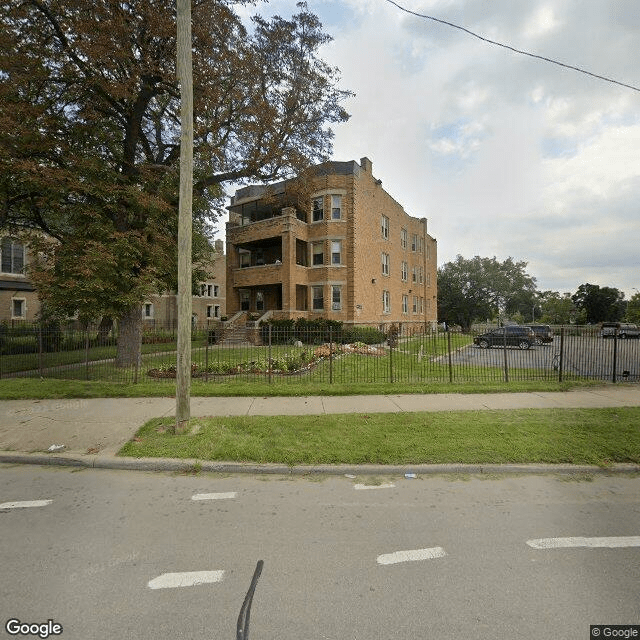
(588, 356)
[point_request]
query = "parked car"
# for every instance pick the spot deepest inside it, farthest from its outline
(543, 333)
(625, 330)
(516, 336)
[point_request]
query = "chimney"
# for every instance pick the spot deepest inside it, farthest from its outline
(366, 165)
(219, 246)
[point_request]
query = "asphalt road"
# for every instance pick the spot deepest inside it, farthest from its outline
(536, 557)
(585, 356)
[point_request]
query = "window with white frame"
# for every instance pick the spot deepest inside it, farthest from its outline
(385, 227)
(209, 311)
(415, 304)
(405, 304)
(420, 274)
(13, 256)
(317, 298)
(336, 252)
(18, 308)
(336, 207)
(414, 242)
(385, 264)
(404, 272)
(428, 278)
(147, 311)
(403, 238)
(317, 250)
(421, 308)
(245, 259)
(318, 209)
(386, 302)
(420, 244)
(336, 297)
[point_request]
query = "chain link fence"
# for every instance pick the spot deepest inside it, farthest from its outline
(397, 353)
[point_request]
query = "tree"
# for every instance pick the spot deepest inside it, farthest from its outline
(480, 288)
(89, 135)
(599, 304)
(557, 308)
(633, 309)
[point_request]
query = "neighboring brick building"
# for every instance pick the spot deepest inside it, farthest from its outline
(344, 250)
(19, 300)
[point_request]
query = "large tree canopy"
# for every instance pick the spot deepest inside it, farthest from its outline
(480, 288)
(599, 304)
(89, 132)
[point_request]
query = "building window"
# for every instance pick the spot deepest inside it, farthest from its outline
(428, 278)
(209, 311)
(385, 264)
(13, 256)
(336, 252)
(259, 300)
(414, 276)
(386, 302)
(403, 238)
(405, 304)
(420, 244)
(147, 311)
(336, 207)
(18, 308)
(414, 242)
(420, 275)
(385, 227)
(318, 209)
(245, 259)
(318, 298)
(405, 272)
(244, 300)
(421, 305)
(317, 249)
(336, 297)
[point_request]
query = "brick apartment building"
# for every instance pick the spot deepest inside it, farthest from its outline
(344, 250)
(19, 299)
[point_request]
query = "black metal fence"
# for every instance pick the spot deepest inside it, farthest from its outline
(337, 355)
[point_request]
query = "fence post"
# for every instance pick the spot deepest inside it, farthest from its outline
(86, 351)
(40, 348)
(269, 356)
(449, 355)
(506, 363)
(330, 356)
(391, 361)
(614, 378)
(561, 354)
(206, 354)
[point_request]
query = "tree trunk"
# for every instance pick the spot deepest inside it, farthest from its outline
(129, 338)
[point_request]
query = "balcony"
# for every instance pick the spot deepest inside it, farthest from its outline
(259, 274)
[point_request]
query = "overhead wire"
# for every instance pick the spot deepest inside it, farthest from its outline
(513, 49)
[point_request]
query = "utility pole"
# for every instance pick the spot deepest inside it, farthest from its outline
(185, 79)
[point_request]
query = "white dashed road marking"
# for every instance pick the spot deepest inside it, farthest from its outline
(214, 496)
(25, 503)
(185, 579)
(564, 543)
(412, 555)
(384, 485)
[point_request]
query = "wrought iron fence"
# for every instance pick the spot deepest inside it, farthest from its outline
(334, 354)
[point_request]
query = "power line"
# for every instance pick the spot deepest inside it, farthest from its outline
(520, 51)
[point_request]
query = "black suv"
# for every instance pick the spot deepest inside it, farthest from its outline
(516, 336)
(543, 333)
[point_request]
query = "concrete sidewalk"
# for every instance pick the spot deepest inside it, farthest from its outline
(95, 429)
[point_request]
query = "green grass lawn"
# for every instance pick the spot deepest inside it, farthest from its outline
(574, 436)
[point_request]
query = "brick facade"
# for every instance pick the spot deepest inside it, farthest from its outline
(19, 300)
(336, 253)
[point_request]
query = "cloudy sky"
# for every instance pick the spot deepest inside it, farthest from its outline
(504, 154)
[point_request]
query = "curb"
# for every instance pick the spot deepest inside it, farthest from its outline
(182, 465)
